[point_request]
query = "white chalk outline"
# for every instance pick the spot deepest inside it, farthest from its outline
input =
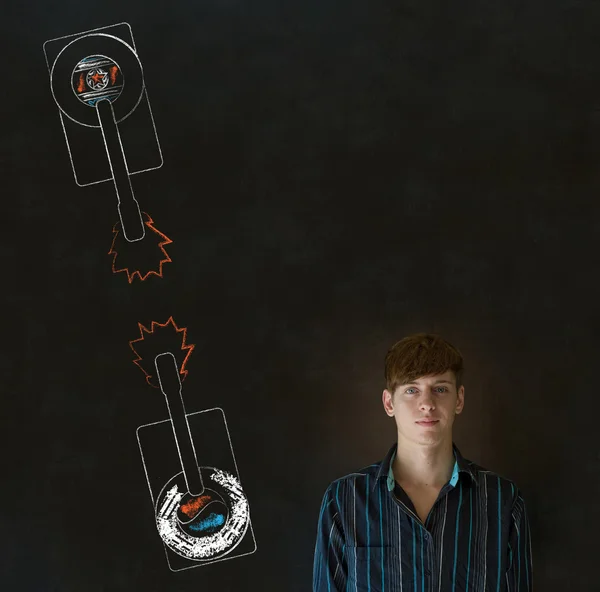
(119, 68)
(209, 562)
(101, 35)
(108, 156)
(236, 525)
(144, 94)
(168, 353)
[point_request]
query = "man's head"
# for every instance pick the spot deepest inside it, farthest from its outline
(423, 374)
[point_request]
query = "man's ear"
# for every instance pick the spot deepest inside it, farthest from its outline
(388, 402)
(460, 399)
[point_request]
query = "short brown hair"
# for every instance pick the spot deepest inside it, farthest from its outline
(421, 354)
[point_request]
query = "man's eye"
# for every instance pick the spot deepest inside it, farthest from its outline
(439, 388)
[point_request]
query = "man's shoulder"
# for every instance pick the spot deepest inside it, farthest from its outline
(367, 473)
(488, 478)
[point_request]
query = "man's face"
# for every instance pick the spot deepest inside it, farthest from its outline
(432, 396)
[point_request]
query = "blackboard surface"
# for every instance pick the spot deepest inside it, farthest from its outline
(334, 176)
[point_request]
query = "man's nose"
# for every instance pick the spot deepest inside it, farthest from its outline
(427, 400)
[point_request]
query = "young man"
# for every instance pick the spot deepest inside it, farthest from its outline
(424, 519)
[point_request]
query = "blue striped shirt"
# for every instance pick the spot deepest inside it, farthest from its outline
(370, 538)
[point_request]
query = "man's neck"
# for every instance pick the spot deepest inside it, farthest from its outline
(421, 466)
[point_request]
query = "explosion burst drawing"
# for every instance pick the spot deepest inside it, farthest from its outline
(139, 259)
(159, 338)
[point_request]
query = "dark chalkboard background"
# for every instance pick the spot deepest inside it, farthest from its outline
(336, 175)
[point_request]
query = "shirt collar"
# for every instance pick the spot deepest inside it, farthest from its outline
(385, 467)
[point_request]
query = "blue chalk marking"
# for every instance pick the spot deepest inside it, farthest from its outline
(211, 523)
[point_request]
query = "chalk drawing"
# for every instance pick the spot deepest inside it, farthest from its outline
(128, 258)
(159, 337)
(201, 511)
(97, 82)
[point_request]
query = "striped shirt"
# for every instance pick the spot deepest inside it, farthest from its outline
(370, 538)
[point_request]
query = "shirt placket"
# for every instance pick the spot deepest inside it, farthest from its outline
(428, 568)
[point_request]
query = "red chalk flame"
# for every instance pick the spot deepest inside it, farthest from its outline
(132, 248)
(193, 507)
(159, 338)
